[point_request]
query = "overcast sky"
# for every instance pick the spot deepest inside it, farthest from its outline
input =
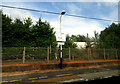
(70, 25)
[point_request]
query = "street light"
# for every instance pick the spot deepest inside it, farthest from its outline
(62, 13)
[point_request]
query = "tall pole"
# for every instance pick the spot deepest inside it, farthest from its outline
(60, 45)
(60, 25)
(61, 57)
(62, 13)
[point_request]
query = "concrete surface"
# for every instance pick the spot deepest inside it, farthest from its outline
(63, 76)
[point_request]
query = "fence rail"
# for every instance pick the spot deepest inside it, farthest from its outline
(53, 54)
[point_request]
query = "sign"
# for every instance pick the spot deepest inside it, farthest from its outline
(61, 39)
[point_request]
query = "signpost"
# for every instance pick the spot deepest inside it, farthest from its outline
(61, 40)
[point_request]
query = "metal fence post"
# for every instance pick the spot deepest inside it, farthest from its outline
(48, 54)
(108, 54)
(88, 53)
(116, 54)
(73, 58)
(33, 55)
(24, 55)
(69, 55)
(56, 53)
(104, 54)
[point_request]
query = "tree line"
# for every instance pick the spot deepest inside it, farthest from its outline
(17, 33)
(108, 38)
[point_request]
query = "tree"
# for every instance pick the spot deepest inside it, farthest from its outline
(81, 38)
(69, 43)
(6, 30)
(88, 41)
(78, 38)
(17, 33)
(73, 38)
(43, 35)
(27, 32)
(96, 39)
(110, 37)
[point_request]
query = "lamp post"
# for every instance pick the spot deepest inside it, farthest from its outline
(62, 13)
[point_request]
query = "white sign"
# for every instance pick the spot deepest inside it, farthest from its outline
(61, 38)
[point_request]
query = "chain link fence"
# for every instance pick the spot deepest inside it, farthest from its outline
(39, 54)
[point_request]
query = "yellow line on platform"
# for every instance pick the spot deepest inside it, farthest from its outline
(42, 77)
(32, 78)
(63, 75)
(14, 80)
(5, 81)
(38, 77)
(9, 81)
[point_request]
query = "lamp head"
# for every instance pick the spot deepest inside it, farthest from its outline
(63, 12)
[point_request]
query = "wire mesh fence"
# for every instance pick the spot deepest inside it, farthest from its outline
(39, 54)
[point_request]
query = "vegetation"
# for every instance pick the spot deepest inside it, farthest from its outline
(78, 38)
(69, 42)
(17, 33)
(110, 37)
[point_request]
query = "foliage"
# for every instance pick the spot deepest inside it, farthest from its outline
(110, 37)
(12, 53)
(78, 38)
(69, 42)
(17, 33)
(96, 40)
(43, 34)
(88, 41)
(6, 30)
